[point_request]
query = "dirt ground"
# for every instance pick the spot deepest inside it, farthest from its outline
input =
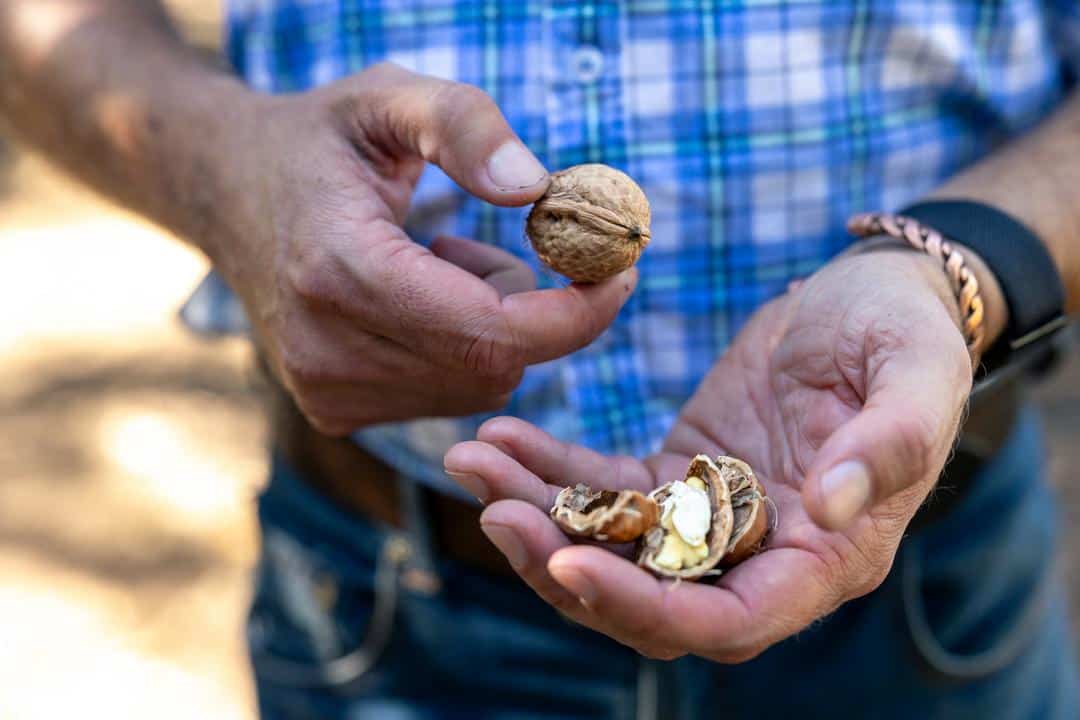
(130, 454)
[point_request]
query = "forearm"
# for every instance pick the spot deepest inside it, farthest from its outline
(107, 89)
(1036, 179)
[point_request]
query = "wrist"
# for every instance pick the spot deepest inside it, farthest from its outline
(926, 270)
(210, 166)
(950, 258)
(995, 310)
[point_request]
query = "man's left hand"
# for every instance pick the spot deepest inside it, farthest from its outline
(844, 395)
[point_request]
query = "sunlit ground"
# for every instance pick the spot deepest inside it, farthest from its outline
(129, 456)
(130, 452)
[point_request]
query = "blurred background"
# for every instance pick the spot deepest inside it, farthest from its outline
(131, 452)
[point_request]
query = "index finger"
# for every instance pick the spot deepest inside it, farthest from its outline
(549, 324)
(560, 463)
(455, 319)
(762, 601)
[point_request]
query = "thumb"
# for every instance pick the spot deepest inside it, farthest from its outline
(455, 126)
(899, 440)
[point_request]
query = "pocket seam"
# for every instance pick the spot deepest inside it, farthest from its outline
(966, 667)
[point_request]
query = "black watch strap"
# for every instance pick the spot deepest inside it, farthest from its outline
(1028, 277)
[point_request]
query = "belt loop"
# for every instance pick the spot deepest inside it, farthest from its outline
(350, 669)
(421, 575)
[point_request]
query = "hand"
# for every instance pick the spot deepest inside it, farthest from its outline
(360, 323)
(844, 395)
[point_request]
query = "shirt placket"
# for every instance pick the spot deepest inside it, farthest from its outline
(586, 123)
(584, 106)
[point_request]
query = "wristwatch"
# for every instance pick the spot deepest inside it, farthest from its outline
(1030, 282)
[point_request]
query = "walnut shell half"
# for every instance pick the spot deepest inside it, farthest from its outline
(748, 507)
(718, 536)
(604, 515)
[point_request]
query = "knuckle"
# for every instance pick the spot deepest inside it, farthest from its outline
(303, 370)
(451, 98)
(312, 276)
(386, 69)
(489, 349)
(458, 111)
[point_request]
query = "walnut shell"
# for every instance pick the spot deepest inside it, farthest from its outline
(604, 515)
(748, 507)
(592, 223)
(719, 535)
(739, 522)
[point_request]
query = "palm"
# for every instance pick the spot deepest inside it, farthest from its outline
(773, 400)
(806, 381)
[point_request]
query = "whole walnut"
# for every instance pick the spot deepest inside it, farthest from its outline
(592, 223)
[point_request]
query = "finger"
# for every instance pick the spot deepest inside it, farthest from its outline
(403, 291)
(456, 126)
(552, 323)
(629, 604)
(899, 440)
(330, 353)
(317, 347)
(346, 406)
(498, 268)
(489, 475)
(562, 464)
(764, 600)
(527, 538)
(755, 605)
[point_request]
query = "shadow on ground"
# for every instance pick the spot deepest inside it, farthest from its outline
(63, 424)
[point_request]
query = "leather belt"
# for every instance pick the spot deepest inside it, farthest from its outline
(358, 482)
(361, 484)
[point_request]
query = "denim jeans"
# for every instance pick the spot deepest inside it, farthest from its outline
(971, 623)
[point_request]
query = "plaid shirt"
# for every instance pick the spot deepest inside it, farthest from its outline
(754, 127)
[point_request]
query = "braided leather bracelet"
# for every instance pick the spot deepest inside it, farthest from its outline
(934, 244)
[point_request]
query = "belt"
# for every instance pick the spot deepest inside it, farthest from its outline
(358, 482)
(361, 484)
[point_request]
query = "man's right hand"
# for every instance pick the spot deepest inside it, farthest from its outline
(360, 323)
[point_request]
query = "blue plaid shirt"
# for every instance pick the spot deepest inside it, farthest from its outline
(754, 127)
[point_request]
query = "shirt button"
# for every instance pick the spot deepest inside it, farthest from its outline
(587, 63)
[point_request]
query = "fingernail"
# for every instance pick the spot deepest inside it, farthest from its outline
(576, 583)
(846, 491)
(508, 542)
(512, 167)
(471, 483)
